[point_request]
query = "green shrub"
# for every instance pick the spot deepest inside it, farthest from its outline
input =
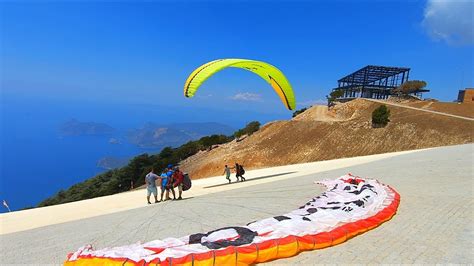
(409, 87)
(334, 95)
(209, 141)
(249, 129)
(297, 112)
(380, 116)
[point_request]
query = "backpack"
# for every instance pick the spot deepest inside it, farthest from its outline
(186, 182)
(242, 170)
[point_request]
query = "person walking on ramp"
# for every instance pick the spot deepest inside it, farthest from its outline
(227, 172)
(239, 172)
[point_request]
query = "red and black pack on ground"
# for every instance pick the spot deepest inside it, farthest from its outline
(186, 182)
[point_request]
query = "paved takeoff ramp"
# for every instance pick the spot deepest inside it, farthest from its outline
(433, 223)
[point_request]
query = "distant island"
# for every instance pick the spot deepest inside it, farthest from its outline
(110, 163)
(74, 127)
(158, 136)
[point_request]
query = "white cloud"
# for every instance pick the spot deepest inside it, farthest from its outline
(450, 21)
(205, 96)
(247, 96)
(313, 102)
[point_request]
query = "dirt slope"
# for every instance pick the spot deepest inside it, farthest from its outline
(345, 131)
(461, 109)
(453, 108)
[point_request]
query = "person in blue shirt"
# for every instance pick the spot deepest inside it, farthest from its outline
(164, 183)
(170, 184)
(150, 180)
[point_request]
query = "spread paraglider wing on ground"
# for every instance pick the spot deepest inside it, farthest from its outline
(350, 206)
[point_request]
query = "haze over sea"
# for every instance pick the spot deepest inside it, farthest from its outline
(37, 161)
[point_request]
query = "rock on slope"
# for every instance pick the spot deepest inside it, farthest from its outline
(345, 131)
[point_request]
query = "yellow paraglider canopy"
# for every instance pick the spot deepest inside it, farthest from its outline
(266, 71)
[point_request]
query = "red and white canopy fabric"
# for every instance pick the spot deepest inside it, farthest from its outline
(350, 206)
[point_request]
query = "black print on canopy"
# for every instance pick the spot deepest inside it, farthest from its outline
(246, 236)
(330, 208)
(364, 187)
(347, 209)
(281, 218)
(359, 203)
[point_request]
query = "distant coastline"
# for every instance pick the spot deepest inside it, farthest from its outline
(110, 162)
(74, 127)
(158, 136)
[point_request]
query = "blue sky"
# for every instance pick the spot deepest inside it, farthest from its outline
(125, 63)
(142, 52)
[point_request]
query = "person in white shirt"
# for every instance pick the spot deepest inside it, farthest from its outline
(150, 180)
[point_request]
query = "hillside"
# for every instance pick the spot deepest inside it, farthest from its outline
(345, 131)
(461, 109)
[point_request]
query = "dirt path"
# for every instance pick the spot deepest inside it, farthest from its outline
(420, 109)
(318, 113)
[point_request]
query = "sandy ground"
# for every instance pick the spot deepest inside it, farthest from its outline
(318, 113)
(433, 225)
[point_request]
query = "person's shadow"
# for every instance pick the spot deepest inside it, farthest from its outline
(252, 179)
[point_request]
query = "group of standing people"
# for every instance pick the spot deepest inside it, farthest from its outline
(170, 178)
(173, 177)
(239, 172)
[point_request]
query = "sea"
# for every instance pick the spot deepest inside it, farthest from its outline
(36, 160)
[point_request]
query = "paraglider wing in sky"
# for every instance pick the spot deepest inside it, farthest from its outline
(266, 71)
